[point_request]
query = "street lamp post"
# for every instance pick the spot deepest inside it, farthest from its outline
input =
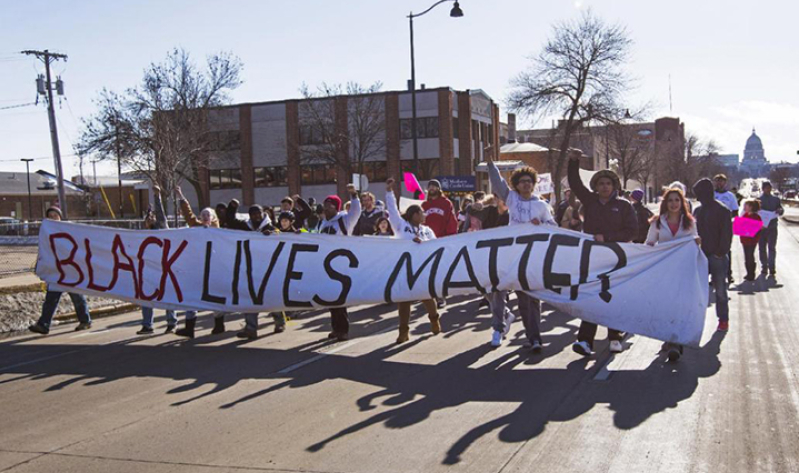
(27, 162)
(456, 12)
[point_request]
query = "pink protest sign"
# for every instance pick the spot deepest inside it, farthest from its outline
(746, 227)
(412, 185)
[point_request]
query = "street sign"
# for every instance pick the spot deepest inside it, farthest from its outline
(457, 183)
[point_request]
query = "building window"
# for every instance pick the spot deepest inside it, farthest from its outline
(426, 127)
(376, 171)
(317, 174)
(428, 168)
(224, 179)
(226, 140)
(311, 135)
(270, 177)
(456, 133)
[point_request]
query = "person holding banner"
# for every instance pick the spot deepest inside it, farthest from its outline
(768, 236)
(259, 221)
(524, 208)
(156, 221)
(51, 299)
(208, 219)
(673, 223)
(751, 208)
(440, 216)
(714, 224)
(338, 222)
(410, 227)
(610, 219)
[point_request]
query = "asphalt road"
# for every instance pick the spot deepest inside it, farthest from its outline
(108, 400)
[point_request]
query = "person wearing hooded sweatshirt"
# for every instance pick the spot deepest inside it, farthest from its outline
(610, 219)
(51, 299)
(524, 208)
(209, 218)
(259, 221)
(338, 222)
(714, 224)
(411, 227)
(156, 221)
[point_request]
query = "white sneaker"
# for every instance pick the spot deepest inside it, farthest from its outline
(509, 318)
(496, 338)
(582, 348)
(616, 346)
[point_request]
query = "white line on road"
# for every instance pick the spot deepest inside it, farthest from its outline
(322, 355)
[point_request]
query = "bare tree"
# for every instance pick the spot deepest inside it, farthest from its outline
(578, 76)
(779, 175)
(342, 137)
(695, 159)
(628, 147)
(160, 128)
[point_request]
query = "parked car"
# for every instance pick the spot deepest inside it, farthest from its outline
(10, 226)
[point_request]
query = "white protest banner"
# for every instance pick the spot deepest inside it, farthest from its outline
(660, 292)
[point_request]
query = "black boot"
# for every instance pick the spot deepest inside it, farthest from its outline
(219, 325)
(188, 330)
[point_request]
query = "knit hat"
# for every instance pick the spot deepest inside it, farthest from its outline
(608, 174)
(638, 195)
(434, 182)
(336, 200)
(55, 209)
(256, 208)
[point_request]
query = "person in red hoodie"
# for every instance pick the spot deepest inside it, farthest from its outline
(439, 215)
(751, 208)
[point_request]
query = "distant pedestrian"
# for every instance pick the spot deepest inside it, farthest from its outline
(751, 208)
(51, 299)
(768, 236)
(714, 224)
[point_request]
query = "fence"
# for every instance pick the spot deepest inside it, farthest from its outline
(19, 242)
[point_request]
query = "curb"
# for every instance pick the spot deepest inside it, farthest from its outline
(36, 287)
(98, 313)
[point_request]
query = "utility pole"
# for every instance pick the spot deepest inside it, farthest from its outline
(28, 171)
(47, 57)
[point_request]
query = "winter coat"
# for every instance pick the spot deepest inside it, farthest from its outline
(664, 234)
(368, 220)
(615, 220)
(713, 221)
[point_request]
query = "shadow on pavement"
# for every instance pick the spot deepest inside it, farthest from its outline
(408, 393)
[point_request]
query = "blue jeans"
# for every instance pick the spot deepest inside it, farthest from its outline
(718, 274)
(51, 304)
(768, 248)
(191, 314)
(147, 317)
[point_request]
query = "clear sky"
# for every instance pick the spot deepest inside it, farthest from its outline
(734, 65)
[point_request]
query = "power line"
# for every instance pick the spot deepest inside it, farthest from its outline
(18, 106)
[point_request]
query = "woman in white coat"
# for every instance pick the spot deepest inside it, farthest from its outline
(410, 227)
(673, 223)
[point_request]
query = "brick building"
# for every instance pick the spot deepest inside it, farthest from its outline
(268, 144)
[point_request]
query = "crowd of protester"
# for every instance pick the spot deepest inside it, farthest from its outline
(603, 210)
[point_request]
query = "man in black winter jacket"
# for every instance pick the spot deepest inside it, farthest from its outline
(609, 219)
(714, 224)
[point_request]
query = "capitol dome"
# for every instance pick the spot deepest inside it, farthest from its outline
(754, 143)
